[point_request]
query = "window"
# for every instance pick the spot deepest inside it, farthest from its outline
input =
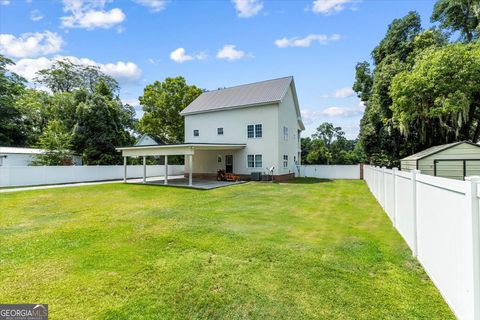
(258, 131)
(258, 161)
(250, 132)
(285, 133)
(254, 161)
(250, 161)
(285, 161)
(220, 131)
(196, 133)
(219, 159)
(254, 131)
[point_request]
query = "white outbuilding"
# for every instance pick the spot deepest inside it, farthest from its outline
(13, 156)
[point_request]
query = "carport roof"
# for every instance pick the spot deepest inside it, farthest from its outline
(203, 146)
(176, 149)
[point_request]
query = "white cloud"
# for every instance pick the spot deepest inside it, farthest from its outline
(4, 2)
(90, 14)
(312, 116)
(179, 56)
(229, 52)
(36, 15)
(123, 72)
(154, 5)
(327, 7)
(30, 44)
(345, 92)
(133, 102)
(248, 8)
(306, 41)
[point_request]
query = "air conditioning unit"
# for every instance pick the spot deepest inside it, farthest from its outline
(256, 176)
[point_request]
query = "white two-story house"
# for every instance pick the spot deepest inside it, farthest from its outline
(243, 129)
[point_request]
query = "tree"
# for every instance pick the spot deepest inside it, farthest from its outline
(12, 86)
(328, 145)
(363, 81)
(439, 99)
(102, 124)
(34, 106)
(57, 143)
(66, 76)
(404, 42)
(458, 15)
(162, 103)
(319, 153)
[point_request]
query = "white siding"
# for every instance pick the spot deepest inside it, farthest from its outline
(287, 117)
(234, 123)
(408, 165)
(17, 160)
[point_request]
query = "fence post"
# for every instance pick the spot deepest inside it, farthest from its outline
(384, 188)
(473, 211)
(394, 190)
(414, 210)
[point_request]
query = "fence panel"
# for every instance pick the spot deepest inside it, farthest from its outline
(330, 171)
(440, 221)
(388, 192)
(444, 245)
(40, 175)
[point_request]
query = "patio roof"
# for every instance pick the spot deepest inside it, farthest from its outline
(176, 149)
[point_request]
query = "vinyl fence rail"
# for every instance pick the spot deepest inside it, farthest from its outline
(42, 175)
(439, 220)
(330, 171)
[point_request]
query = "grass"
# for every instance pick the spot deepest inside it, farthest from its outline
(304, 250)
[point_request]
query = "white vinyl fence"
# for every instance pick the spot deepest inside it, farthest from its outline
(330, 171)
(439, 220)
(39, 175)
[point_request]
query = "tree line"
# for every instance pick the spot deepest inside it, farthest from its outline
(422, 88)
(77, 110)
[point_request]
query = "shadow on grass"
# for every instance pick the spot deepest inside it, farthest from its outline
(308, 181)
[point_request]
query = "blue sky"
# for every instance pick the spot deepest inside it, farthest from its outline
(211, 43)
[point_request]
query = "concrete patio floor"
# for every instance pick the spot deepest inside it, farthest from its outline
(180, 181)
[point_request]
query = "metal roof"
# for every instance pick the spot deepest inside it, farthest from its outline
(15, 150)
(432, 150)
(252, 94)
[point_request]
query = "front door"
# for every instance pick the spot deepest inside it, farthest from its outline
(229, 163)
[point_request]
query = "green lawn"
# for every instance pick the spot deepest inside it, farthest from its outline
(303, 250)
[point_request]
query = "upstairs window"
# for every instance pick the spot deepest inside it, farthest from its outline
(250, 131)
(285, 133)
(285, 161)
(254, 131)
(196, 133)
(258, 131)
(220, 131)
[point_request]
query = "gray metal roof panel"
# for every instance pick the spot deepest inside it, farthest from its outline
(258, 93)
(432, 150)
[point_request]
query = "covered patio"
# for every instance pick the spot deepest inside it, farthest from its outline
(188, 150)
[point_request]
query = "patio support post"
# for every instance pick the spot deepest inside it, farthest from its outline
(144, 169)
(166, 170)
(125, 169)
(190, 169)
